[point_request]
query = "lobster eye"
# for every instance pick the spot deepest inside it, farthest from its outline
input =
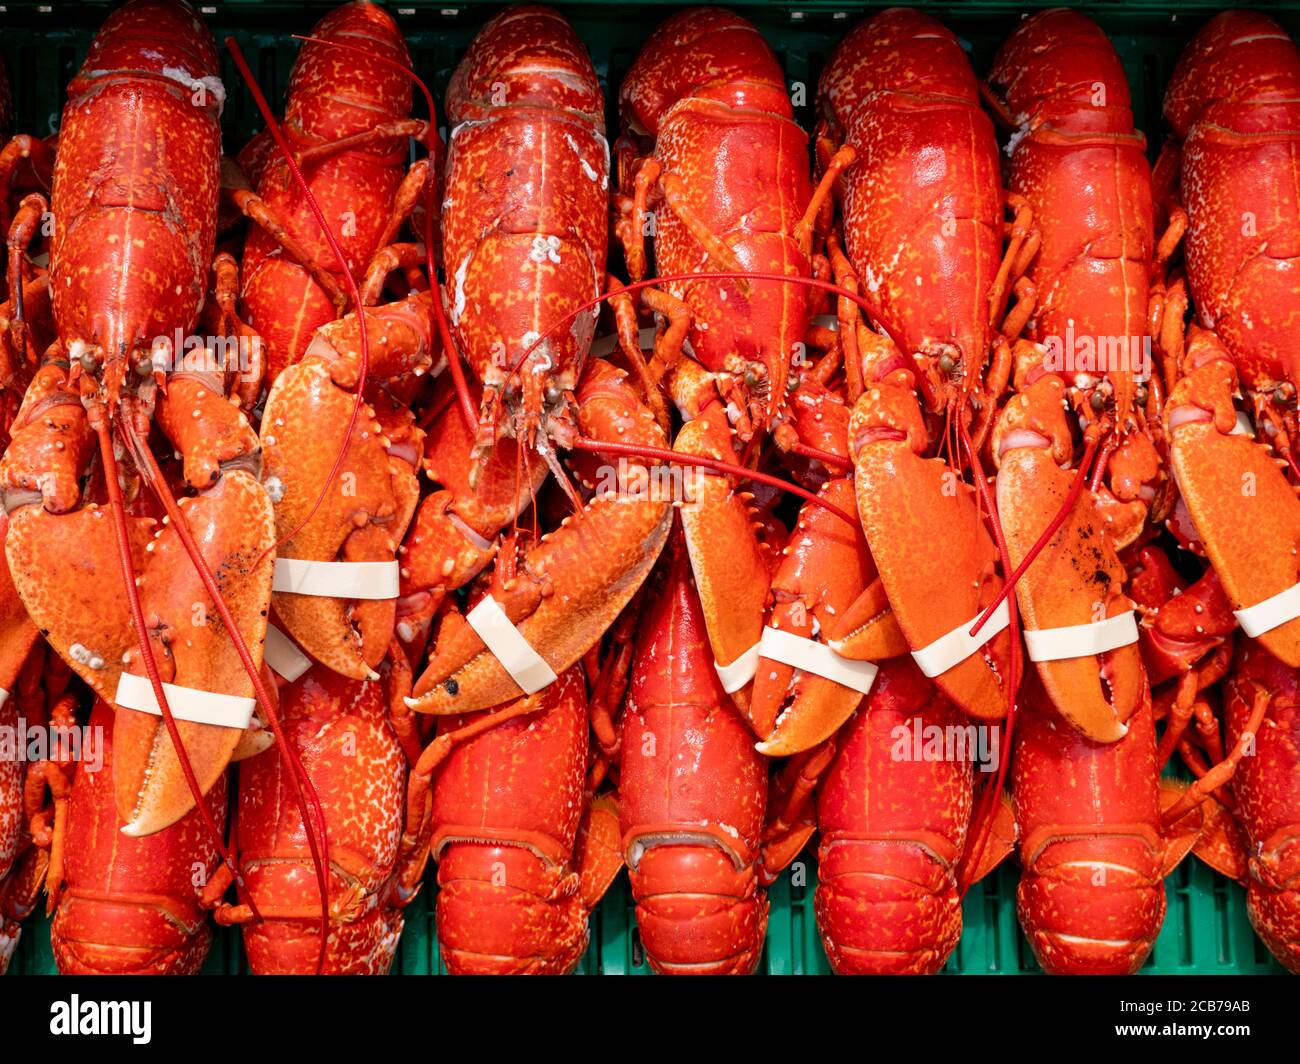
(947, 363)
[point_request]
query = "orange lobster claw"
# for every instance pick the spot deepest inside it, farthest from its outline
(824, 572)
(362, 517)
(1077, 579)
(570, 586)
(936, 560)
(732, 566)
(67, 569)
(1245, 512)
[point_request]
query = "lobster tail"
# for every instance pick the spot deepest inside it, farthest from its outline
(893, 826)
(692, 794)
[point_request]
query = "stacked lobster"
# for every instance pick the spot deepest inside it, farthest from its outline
(896, 502)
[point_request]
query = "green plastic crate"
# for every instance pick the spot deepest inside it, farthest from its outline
(1206, 930)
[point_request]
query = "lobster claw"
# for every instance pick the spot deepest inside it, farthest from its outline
(936, 560)
(732, 566)
(826, 570)
(452, 537)
(571, 584)
(364, 514)
(67, 569)
(1245, 513)
(1077, 579)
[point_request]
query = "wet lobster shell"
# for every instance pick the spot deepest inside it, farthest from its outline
(707, 88)
(351, 756)
(692, 792)
(333, 94)
(130, 906)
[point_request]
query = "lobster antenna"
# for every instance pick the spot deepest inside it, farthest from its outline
(439, 311)
(988, 800)
(663, 454)
(118, 509)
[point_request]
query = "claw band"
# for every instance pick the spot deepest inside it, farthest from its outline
(1080, 640)
(740, 671)
(4, 696)
(956, 646)
(1271, 613)
(283, 655)
(201, 707)
(526, 667)
(817, 658)
(354, 580)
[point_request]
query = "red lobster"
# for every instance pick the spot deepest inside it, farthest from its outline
(692, 792)
(524, 854)
(893, 821)
(355, 762)
(129, 906)
(524, 234)
(924, 242)
(1078, 165)
(1234, 106)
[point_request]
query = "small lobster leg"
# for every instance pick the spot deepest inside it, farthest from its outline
(792, 821)
(572, 584)
(1245, 513)
(19, 892)
(362, 515)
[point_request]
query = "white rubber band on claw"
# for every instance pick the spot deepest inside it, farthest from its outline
(740, 671)
(283, 655)
(200, 707)
(1271, 613)
(817, 658)
(353, 580)
(526, 667)
(956, 646)
(4, 696)
(1080, 640)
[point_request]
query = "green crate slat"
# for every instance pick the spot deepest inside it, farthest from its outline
(1206, 929)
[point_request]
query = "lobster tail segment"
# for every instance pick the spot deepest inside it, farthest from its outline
(692, 796)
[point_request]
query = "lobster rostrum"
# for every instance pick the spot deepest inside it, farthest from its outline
(1232, 105)
(925, 244)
